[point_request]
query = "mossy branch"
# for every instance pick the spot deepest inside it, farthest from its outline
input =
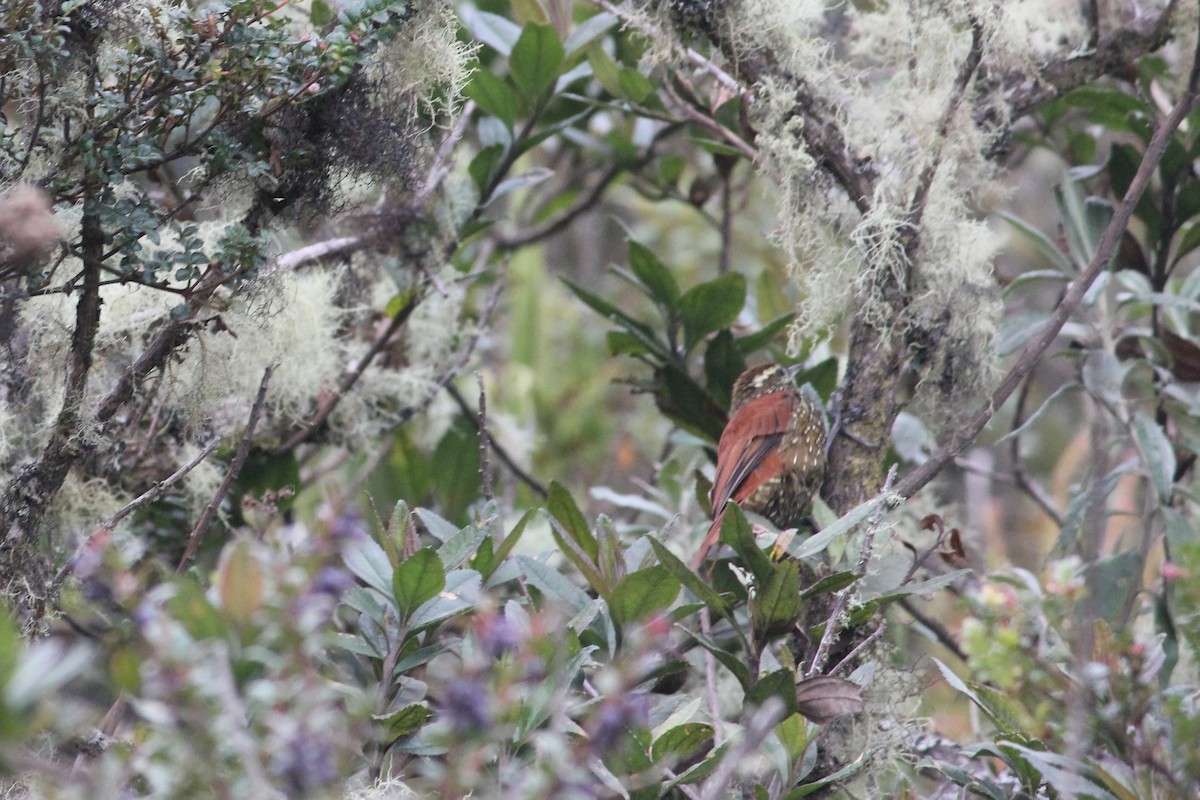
(1033, 351)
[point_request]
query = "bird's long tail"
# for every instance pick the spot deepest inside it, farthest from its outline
(710, 539)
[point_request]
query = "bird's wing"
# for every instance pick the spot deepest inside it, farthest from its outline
(748, 444)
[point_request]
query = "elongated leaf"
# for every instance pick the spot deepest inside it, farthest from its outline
(510, 541)
(406, 721)
(776, 605)
(610, 312)
(681, 740)
(493, 95)
(589, 31)
(417, 579)
(459, 547)
(562, 507)
(1043, 242)
(737, 533)
(689, 579)
(765, 335)
(366, 559)
(642, 593)
(536, 60)
(711, 306)
(491, 29)
(654, 276)
(1157, 454)
(550, 581)
(843, 525)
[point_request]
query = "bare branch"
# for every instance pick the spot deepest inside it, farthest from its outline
(507, 460)
(485, 439)
(1112, 53)
(967, 71)
(327, 406)
(160, 488)
(1033, 351)
(833, 626)
(235, 469)
(315, 252)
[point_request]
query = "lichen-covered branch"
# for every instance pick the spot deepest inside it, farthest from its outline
(1037, 346)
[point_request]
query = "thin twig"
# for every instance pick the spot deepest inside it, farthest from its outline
(442, 162)
(939, 631)
(159, 489)
(350, 378)
(235, 468)
(710, 677)
(721, 76)
(485, 439)
(1022, 479)
(969, 66)
(834, 622)
(863, 645)
(502, 454)
(1036, 347)
(757, 729)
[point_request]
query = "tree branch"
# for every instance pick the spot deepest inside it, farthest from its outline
(326, 407)
(1033, 351)
(507, 460)
(235, 469)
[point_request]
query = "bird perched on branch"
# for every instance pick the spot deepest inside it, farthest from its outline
(771, 456)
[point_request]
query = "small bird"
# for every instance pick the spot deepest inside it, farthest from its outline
(771, 456)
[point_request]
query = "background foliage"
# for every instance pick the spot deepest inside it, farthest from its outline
(364, 362)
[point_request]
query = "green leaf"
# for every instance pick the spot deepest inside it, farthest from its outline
(641, 594)
(654, 276)
(737, 533)
(681, 740)
(1189, 240)
(830, 584)
(844, 524)
(711, 306)
(418, 578)
(1043, 242)
(586, 34)
(481, 166)
(722, 366)
(459, 547)
(642, 331)
(606, 70)
(320, 14)
(822, 377)
(624, 343)
(536, 60)
(776, 606)
(634, 85)
(781, 683)
(510, 541)
(562, 507)
(688, 403)
(1157, 454)
(689, 579)
(550, 581)
(495, 31)
(493, 95)
(793, 735)
(407, 720)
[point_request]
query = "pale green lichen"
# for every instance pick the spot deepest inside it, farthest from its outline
(427, 68)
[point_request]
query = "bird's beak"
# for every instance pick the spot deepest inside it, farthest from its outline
(794, 370)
